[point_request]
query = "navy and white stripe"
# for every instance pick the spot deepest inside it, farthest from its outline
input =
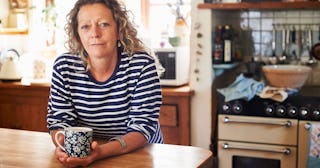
(127, 102)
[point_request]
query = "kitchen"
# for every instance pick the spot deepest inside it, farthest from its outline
(24, 100)
(201, 100)
(237, 136)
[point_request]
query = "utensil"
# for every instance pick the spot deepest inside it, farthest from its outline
(284, 55)
(311, 61)
(293, 49)
(305, 51)
(315, 50)
(273, 59)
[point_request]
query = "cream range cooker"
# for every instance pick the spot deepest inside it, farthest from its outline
(264, 133)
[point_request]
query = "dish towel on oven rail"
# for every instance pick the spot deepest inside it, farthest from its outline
(277, 94)
(242, 88)
(313, 160)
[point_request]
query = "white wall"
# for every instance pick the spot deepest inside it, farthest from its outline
(201, 82)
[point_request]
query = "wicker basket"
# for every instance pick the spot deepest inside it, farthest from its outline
(286, 76)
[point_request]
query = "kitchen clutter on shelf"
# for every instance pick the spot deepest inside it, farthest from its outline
(25, 67)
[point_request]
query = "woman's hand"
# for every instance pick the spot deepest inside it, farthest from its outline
(74, 161)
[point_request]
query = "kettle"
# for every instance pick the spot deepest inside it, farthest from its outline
(10, 66)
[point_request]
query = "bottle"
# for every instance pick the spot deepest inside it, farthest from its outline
(164, 38)
(218, 46)
(228, 44)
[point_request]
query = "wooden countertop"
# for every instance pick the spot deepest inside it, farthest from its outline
(184, 90)
(34, 149)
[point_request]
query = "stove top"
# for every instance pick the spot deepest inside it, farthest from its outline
(303, 106)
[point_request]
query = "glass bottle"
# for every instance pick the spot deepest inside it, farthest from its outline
(228, 44)
(218, 46)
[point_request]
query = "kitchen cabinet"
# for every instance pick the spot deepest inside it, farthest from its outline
(25, 107)
(175, 115)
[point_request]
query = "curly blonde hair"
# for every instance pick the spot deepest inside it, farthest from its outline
(128, 39)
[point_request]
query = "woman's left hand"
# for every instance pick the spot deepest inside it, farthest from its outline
(76, 162)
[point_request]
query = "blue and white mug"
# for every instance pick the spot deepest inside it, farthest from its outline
(77, 141)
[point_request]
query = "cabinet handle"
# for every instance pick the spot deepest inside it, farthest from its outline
(287, 123)
(285, 151)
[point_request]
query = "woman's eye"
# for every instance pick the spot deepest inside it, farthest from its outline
(103, 24)
(84, 27)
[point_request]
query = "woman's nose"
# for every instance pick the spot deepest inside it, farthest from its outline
(95, 32)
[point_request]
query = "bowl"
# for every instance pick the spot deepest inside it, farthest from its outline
(286, 76)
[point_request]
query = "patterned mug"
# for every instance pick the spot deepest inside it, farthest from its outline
(77, 141)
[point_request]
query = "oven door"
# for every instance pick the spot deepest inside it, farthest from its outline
(243, 155)
(264, 130)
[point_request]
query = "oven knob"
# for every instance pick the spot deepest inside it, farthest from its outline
(237, 108)
(281, 111)
(316, 113)
(292, 111)
(269, 110)
(304, 112)
(226, 108)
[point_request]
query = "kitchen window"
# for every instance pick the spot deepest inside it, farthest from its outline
(157, 17)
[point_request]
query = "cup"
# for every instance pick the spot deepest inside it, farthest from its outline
(77, 141)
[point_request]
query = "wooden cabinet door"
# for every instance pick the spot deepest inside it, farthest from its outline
(28, 113)
(32, 113)
(169, 124)
(24, 107)
(175, 120)
(6, 109)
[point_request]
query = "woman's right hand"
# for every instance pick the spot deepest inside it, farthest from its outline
(60, 154)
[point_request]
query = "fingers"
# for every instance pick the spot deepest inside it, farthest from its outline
(76, 162)
(67, 161)
(61, 155)
(94, 145)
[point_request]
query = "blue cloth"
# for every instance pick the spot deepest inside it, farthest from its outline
(242, 88)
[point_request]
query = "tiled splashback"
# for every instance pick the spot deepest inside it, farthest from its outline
(254, 30)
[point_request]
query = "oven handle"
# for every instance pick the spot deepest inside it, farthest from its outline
(285, 151)
(287, 123)
(307, 126)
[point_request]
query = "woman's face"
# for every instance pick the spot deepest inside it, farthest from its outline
(97, 30)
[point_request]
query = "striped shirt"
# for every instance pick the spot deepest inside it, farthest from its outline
(129, 101)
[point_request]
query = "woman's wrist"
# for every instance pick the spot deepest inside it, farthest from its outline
(121, 140)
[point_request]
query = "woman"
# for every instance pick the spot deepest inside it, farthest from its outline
(107, 82)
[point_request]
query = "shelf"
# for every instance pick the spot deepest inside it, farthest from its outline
(260, 5)
(13, 31)
(220, 68)
(225, 66)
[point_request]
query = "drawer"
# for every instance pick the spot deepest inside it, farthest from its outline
(258, 129)
(168, 115)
